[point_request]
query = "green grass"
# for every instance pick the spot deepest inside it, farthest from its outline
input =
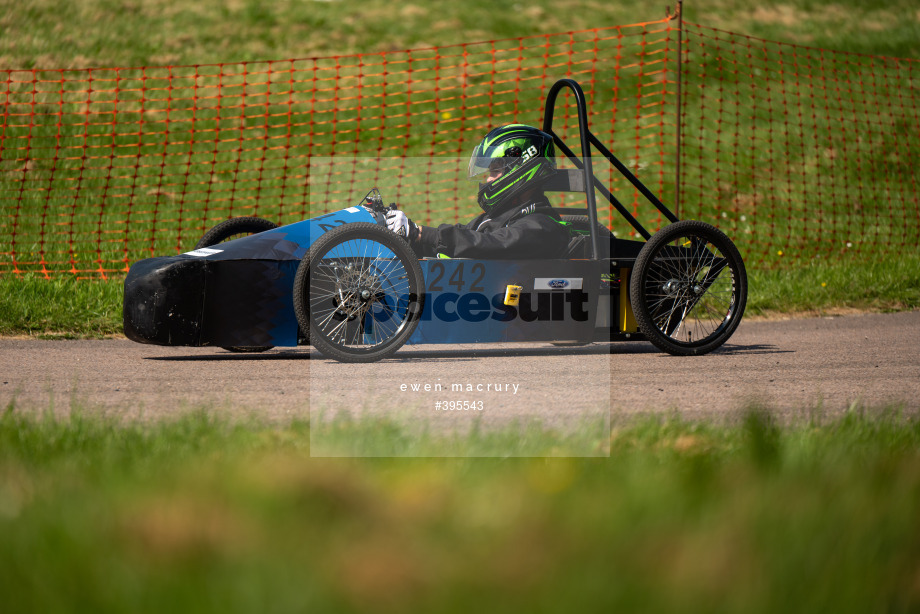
(201, 513)
(149, 174)
(206, 514)
(92, 33)
(885, 284)
(344, 436)
(60, 307)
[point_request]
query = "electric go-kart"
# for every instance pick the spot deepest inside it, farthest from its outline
(356, 291)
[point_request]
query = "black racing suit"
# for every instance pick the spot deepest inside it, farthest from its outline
(528, 230)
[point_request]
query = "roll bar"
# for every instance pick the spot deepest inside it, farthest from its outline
(584, 164)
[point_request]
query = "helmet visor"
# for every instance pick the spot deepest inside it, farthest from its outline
(494, 162)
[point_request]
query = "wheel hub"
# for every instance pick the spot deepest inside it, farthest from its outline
(673, 288)
(356, 290)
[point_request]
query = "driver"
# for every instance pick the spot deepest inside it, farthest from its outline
(510, 165)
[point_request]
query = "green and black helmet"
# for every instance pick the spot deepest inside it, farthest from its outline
(510, 160)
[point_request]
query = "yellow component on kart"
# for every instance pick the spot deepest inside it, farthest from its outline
(513, 295)
(626, 319)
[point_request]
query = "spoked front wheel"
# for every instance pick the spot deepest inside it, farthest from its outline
(688, 288)
(359, 293)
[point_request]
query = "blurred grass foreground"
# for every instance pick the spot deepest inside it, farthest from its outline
(202, 514)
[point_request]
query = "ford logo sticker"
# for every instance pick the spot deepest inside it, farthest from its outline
(557, 283)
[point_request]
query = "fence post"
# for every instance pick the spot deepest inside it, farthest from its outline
(680, 70)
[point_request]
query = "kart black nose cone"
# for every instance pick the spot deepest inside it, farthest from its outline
(163, 301)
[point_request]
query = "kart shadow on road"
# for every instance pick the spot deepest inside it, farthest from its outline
(410, 354)
(624, 349)
(218, 355)
(751, 349)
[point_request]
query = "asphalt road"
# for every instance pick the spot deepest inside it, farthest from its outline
(790, 366)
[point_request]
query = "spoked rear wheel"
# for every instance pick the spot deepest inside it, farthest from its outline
(235, 228)
(688, 288)
(359, 293)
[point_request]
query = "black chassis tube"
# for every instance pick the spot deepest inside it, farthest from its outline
(585, 150)
(610, 197)
(633, 179)
(587, 139)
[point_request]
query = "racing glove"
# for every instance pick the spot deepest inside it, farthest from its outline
(398, 222)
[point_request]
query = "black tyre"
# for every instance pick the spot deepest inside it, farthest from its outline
(582, 225)
(235, 228)
(580, 243)
(359, 292)
(688, 288)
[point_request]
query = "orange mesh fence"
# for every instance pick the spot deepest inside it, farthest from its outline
(799, 153)
(795, 152)
(102, 167)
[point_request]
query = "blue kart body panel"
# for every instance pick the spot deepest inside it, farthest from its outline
(240, 294)
(465, 301)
